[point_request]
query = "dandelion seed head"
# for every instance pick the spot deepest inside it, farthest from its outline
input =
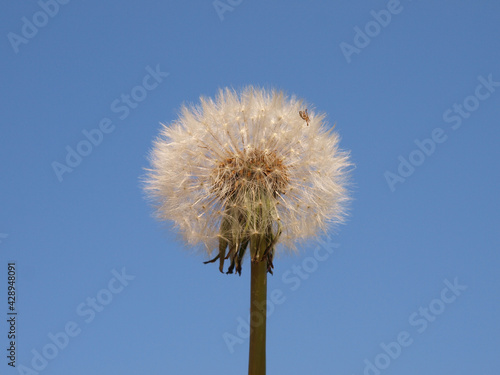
(230, 157)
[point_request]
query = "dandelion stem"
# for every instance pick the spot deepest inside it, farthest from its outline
(258, 306)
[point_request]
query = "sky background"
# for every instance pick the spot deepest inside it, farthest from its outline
(400, 245)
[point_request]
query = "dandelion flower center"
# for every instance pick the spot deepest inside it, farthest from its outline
(250, 170)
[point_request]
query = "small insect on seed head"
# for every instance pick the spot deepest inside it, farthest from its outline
(304, 116)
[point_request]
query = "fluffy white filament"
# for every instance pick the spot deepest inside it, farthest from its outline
(247, 152)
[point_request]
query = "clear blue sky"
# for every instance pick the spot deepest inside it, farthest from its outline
(428, 76)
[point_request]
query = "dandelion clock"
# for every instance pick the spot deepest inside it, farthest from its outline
(245, 176)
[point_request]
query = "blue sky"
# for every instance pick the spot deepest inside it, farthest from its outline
(410, 284)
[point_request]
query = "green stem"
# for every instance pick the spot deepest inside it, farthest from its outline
(258, 306)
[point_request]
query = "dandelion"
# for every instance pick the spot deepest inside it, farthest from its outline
(253, 171)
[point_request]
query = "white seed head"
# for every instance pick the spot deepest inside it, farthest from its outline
(248, 160)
